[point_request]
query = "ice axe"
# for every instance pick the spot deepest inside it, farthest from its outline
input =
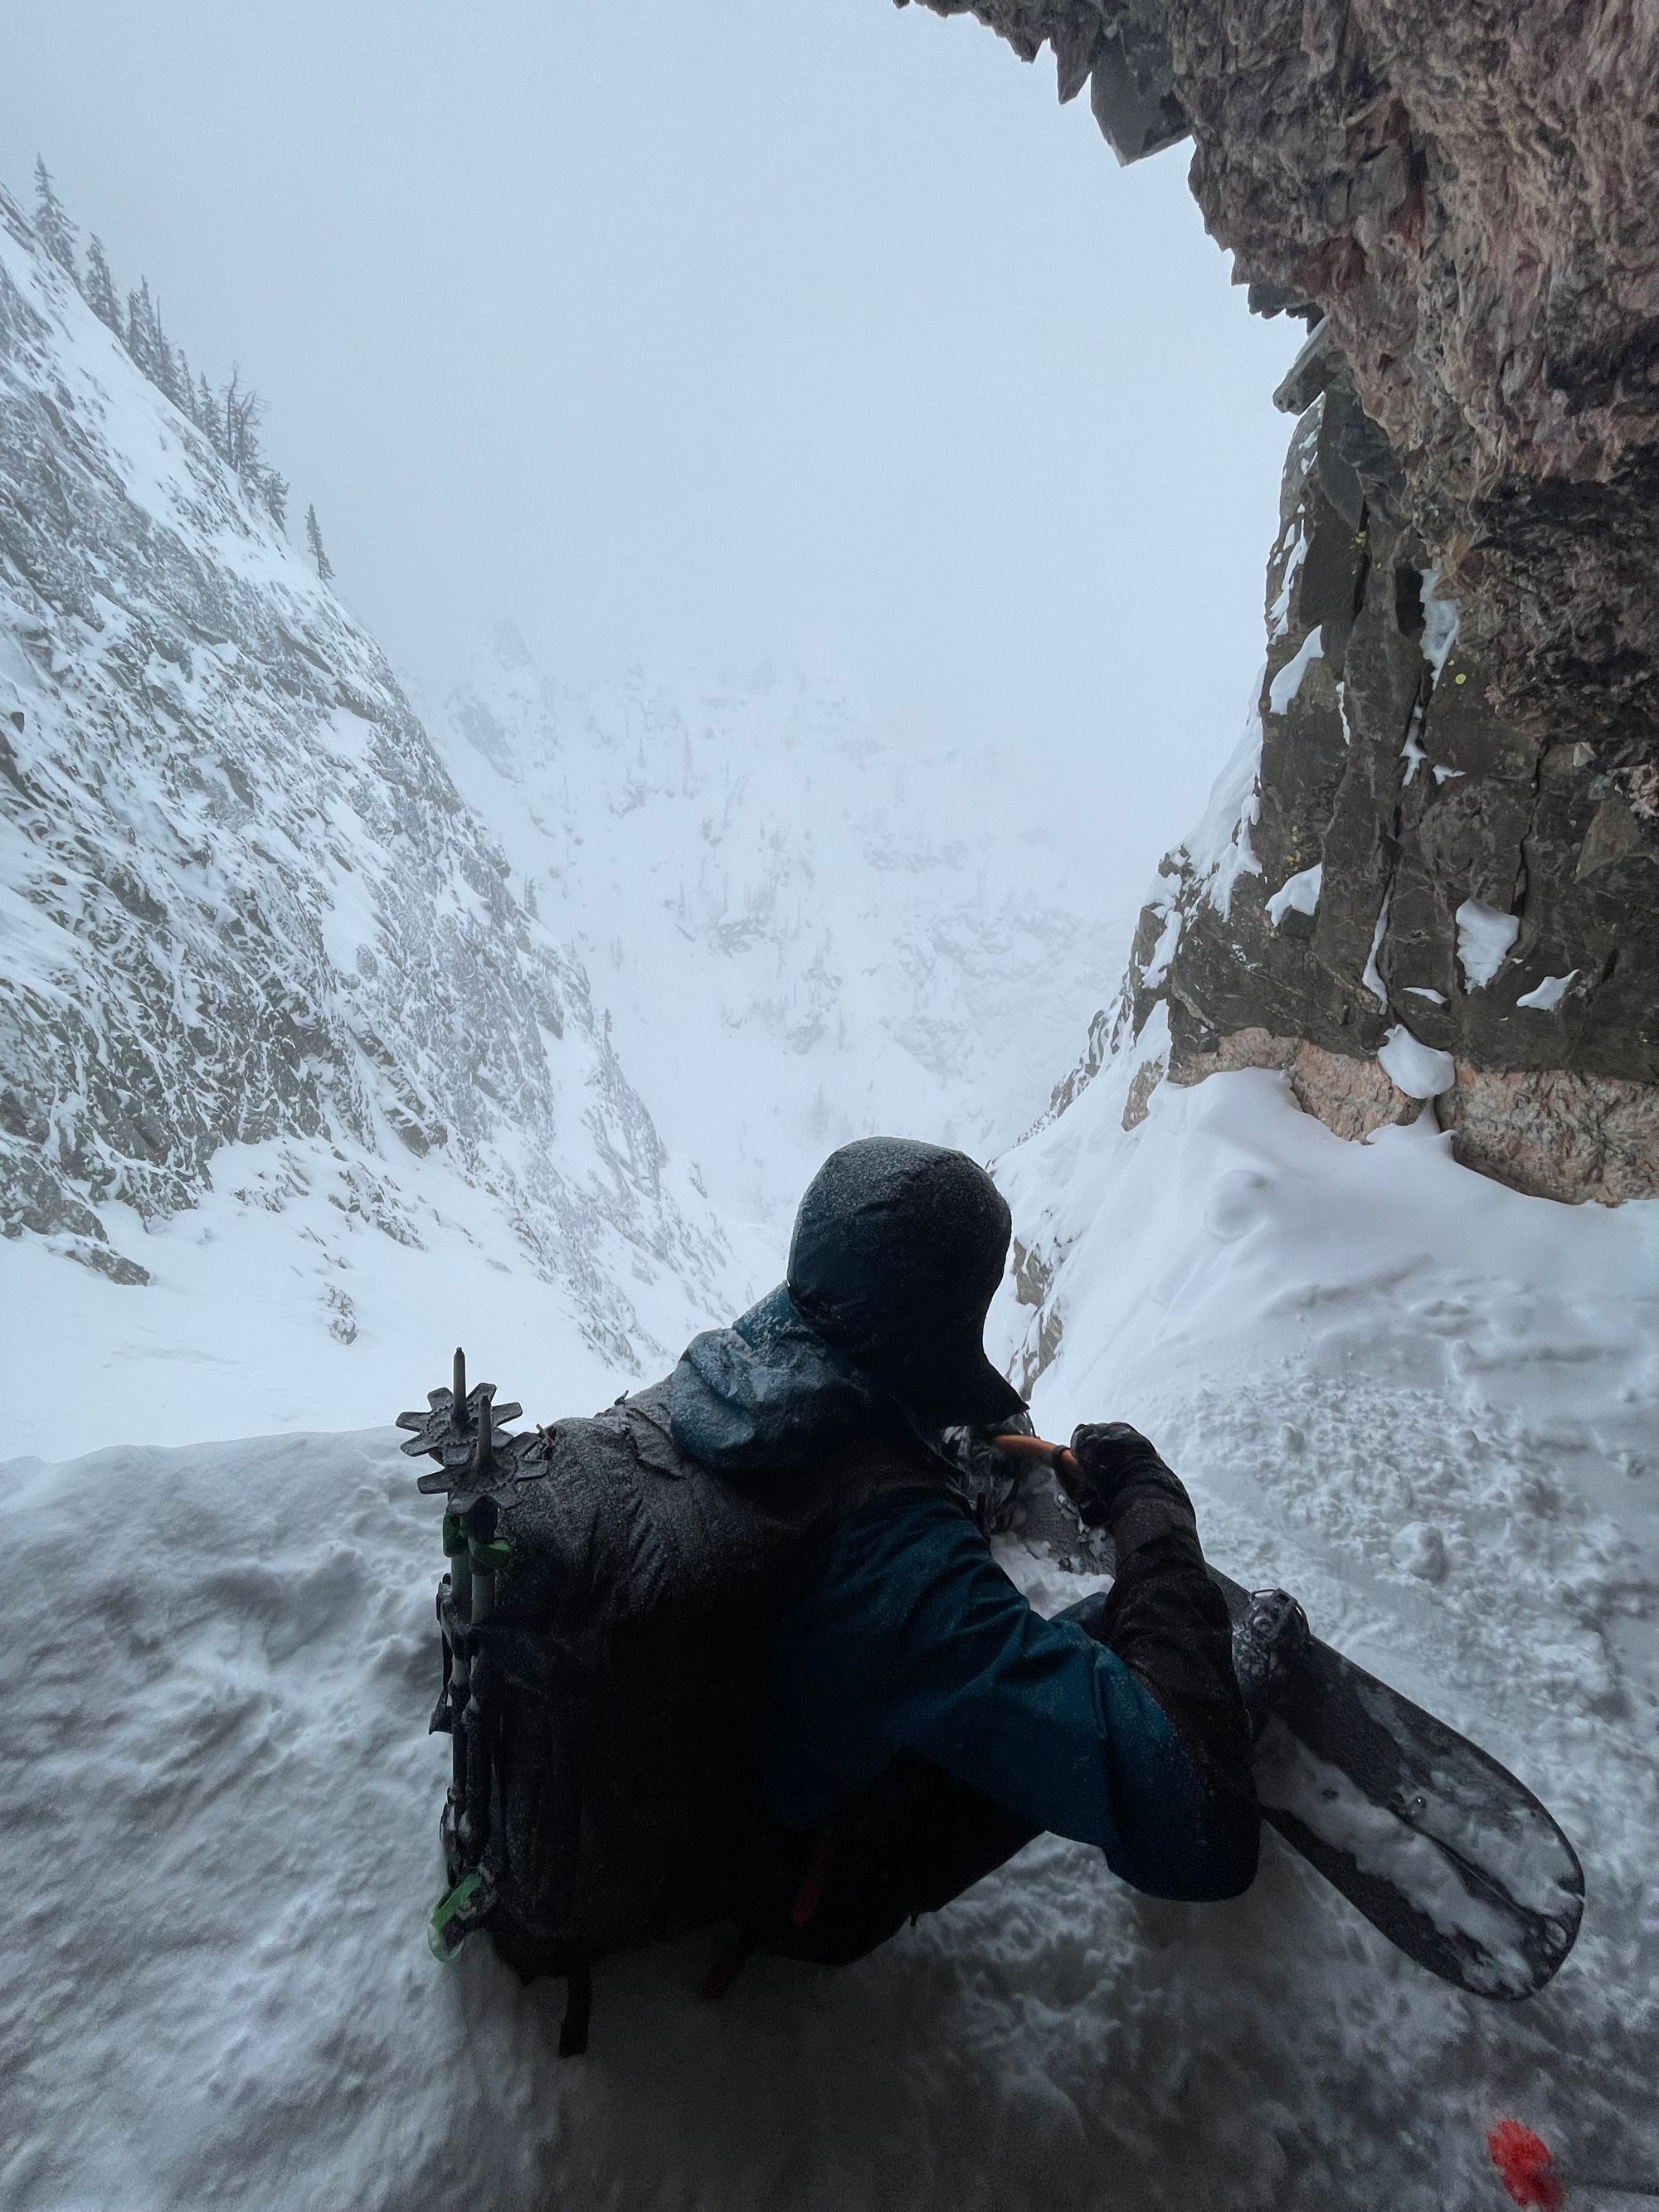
(1037, 1451)
(1270, 1629)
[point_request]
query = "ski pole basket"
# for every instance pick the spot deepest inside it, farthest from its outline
(482, 1465)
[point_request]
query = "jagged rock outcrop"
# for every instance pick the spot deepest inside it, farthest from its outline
(1406, 867)
(244, 905)
(1438, 878)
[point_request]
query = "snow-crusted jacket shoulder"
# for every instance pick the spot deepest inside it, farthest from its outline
(768, 1393)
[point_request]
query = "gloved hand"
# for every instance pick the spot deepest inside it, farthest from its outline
(1124, 1487)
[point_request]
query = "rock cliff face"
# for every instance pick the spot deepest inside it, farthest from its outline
(1431, 873)
(250, 930)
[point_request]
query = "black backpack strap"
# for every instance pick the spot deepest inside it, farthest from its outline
(578, 2005)
(909, 1844)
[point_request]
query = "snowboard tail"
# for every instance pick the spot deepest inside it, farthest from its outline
(1441, 1848)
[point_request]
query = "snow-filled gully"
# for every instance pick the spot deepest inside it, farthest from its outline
(1427, 1405)
(224, 1805)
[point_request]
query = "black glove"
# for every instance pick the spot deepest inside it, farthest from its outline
(1167, 1622)
(1127, 1489)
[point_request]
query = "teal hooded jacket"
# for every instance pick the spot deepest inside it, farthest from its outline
(911, 1636)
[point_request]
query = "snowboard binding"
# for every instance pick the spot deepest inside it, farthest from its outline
(1269, 1639)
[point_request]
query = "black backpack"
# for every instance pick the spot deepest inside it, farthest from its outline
(604, 1624)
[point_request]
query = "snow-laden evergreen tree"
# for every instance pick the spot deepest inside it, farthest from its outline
(98, 286)
(172, 376)
(241, 408)
(140, 329)
(314, 544)
(52, 226)
(229, 419)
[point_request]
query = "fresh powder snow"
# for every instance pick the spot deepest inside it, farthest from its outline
(223, 1835)
(1486, 937)
(1421, 1071)
(1219, 849)
(1425, 1404)
(1299, 894)
(1288, 682)
(1548, 994)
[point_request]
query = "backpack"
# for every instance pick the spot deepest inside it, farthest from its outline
(605, 1628)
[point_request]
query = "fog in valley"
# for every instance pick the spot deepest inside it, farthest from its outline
(706, 337)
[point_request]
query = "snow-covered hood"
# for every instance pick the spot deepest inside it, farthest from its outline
(768, 1393)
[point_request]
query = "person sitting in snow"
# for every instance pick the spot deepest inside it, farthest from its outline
(923, 1721)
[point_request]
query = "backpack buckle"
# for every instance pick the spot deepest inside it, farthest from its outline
(457, 1913)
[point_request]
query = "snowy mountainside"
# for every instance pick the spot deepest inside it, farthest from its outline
(1423, 1402)
(261, 962)
(804, 932)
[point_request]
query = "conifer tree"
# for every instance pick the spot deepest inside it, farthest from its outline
(314, 541)
(254, 456)
(166, 374)
(140, 329)
(242, 409)
(100, 286)
(229, 419)
(56, 231)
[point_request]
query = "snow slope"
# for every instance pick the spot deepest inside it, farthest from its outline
(275, 1037)
(805, 929)
(1428, 1405)
(1423, 1402)
(303, 1075)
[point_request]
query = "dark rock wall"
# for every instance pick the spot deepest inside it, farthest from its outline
(1460, 715)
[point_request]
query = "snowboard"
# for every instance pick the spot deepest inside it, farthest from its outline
(1441, 1849)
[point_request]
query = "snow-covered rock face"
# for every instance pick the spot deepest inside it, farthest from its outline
(1460, 715)
(302, 1033)
(1386, 849)
(805, 931)
(1466, 194)
(257, 949)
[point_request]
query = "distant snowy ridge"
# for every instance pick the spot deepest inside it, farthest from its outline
(243, 905)
(807, 929)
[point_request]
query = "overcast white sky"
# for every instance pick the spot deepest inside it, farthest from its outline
(698, 332)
